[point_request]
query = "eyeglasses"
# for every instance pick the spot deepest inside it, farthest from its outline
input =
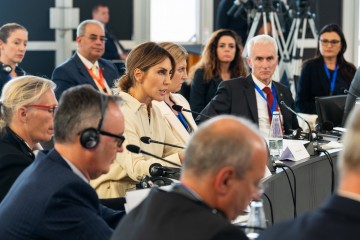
(50, 109)
(119, 138)
(326, 42)
(94, 37)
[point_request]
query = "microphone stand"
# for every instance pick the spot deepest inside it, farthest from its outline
(309, 146)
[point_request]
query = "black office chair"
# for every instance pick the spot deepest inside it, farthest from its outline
(330, 110)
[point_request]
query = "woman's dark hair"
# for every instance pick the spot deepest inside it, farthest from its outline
(209, 61)
(7, 29)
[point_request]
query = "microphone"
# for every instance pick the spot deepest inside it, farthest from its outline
(298, 115)
(148, 140)
(180, 109)
(135, 149)
(352, 94)
(157, 170)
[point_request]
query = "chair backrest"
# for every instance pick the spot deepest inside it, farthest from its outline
(330, 109)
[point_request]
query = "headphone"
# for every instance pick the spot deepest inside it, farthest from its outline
(89, 137)
(6, 68)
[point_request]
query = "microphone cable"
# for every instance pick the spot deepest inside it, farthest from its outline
(293, 190)
(329, 158)
(271, 208)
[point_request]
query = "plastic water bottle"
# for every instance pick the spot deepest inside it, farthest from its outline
(256, 222)
(275, 141)
(357, 101)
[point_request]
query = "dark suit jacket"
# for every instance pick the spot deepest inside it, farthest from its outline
(237, 97)
(49, 201)
(15, 156)
(4, 76)
(313, 82)
(338, 218)
(73, 73)
(169, 215)
(111, 52)
(202, 92)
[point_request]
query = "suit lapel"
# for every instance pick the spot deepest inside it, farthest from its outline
(251, 98)
(86, 78)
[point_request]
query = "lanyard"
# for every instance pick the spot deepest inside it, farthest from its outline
(100, 80)
(273, 107)
(333, 80)
(181, 118)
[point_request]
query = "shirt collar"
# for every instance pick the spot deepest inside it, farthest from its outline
(132, 102)
(259, 83)
(86, 62)
(76, 170)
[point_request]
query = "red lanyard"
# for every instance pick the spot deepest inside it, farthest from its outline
(100, 80)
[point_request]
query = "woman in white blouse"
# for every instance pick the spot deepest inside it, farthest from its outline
(149, 69)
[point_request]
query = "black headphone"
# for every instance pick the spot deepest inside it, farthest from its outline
(89, 138)
(6, 68)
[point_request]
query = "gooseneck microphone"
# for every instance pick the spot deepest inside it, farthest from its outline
(148, 140)
(298, 115)
(180, 109)
(352, 94)
(135, 149)
(157, 170)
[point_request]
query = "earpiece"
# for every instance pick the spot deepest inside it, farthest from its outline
(89, 138)
(6, 68)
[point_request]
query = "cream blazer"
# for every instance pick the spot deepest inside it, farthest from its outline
(174, 123)
(129, 168)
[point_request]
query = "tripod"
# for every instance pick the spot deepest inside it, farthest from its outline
(304, 19)
(267, 12)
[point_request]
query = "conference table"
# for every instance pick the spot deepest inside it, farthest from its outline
(313, 186)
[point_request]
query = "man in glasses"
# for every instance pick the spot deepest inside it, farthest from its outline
(86, 66)
(52, 198)
(224, 163)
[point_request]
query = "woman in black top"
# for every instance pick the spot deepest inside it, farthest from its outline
(13, 41)
(328, 73)
(27, 107)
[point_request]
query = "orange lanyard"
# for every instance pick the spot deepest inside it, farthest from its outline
(100, 80)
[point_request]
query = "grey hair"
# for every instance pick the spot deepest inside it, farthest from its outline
(209, 149)
(79, 108)
(350, 156)
(260, 39)
(21, 91)
(80, 31)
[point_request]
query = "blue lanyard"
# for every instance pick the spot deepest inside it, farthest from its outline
(273, 107)
(333, 80)
(181, 118)
(9, 77)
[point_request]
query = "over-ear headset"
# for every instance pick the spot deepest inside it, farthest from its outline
(6, 68)
(89, 138)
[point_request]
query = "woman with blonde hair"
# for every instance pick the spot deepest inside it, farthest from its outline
(27, 108)
(181, 123)
(220, 60)
(149, 69)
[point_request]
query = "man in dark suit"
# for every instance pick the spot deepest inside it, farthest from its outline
(52, 198)
(249, 97)
(86, 65)
(224, 163)
(114, 50)
(339, 216)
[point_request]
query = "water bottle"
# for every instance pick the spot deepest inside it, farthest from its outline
(256, 222)
(275, 137)
(357, 101)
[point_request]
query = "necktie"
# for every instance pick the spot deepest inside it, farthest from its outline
(270, 100)
(95, 71)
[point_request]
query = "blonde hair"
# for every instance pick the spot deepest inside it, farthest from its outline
(19, 92)
(178, 52)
